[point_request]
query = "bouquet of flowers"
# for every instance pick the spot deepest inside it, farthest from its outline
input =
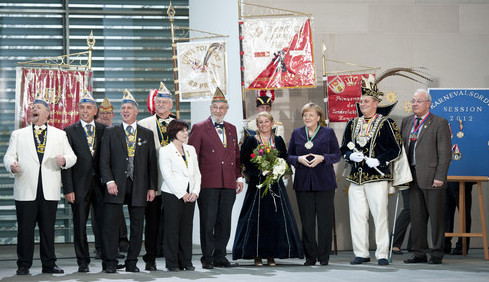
(270, 165)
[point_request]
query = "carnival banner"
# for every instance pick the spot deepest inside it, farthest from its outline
(201, 68)
(343, 92)
(467, 113)
(61, 88)
(277, 53)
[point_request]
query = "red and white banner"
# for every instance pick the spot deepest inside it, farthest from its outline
(277, 53)
(343, 92)
(61, 88)
(201, 68)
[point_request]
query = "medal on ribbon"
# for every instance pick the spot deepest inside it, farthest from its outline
(456, 155)
(460, 134)
(309, 143)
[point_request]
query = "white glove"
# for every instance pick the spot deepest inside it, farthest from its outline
(356, 157)
(372, 162)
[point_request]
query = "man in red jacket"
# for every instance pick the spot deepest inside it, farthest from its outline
(216, 144)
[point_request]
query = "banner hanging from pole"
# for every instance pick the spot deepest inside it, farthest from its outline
(343, 92)
(61, 88)
(277, 52)
(201, 68)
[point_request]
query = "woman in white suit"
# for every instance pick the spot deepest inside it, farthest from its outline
(180, 189)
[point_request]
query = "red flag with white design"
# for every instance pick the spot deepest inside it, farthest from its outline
(277, 53)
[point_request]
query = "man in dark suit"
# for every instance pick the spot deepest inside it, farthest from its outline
(426, 138)
(82, 185)
(370, 143)
(157, 123)
(128, 167)
(216, 144)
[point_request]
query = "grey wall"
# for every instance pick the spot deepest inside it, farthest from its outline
(450, 38)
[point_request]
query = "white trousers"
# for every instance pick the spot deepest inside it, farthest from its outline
(361, 198)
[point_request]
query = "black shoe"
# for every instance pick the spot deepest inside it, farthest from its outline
(173, 269)
(207, 265)
(132, 268)
(310, 262)
(435, 260)
(324, 262)
(151, 266)
(359, 260)
(54, 270)
(110, 269)
(120, 256)
(120, 266)
(415, 259)
(456, 251)
(83, 268)
(383, 262)
(22, 270)
(189, 268)
(225, 263)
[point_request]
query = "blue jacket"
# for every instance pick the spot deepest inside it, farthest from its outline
(321, 177)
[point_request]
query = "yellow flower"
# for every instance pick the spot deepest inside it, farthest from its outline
(268, 150)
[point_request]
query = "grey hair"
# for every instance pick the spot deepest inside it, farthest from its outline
(421, 90)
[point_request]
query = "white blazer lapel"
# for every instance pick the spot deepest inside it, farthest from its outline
(28, 136)
(179, 160)
(49, 142)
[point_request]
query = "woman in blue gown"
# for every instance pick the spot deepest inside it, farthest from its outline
(266, 226)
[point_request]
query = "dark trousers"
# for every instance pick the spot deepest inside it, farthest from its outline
(112, 218)
(402, 222)
(215, 206)
(177, 240)
(427, 203)
(451, 203)
(152, 215)
(316, 206)
(28, 213)
(81, 209)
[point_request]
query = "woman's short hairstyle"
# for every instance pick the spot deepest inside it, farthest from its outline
(312, 106)
(264, 114)
(174, 127)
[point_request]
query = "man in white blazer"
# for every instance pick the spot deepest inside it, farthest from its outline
(158, 123)
(36, 155)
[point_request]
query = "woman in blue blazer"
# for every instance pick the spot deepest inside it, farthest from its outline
(313, 149)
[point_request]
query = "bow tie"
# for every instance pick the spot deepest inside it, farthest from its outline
(39, 127)
(219, 125)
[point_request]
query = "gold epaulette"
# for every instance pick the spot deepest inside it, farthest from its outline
(278, 123)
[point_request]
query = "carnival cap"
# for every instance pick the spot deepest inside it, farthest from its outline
(163, 92)
(369, 88)
(219, 96)
(262, 97)
(39, 99)
(87, 98)
(106, 106)
(128, 98)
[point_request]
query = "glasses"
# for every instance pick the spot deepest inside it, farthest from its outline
(418, 101)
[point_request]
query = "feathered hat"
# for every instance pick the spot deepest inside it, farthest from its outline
(262, 97)
(370, 85)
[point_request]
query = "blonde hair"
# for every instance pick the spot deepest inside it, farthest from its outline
(312, 106)
(264, 114)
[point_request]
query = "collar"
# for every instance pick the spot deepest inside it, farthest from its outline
(42, 127)
(214, 123)
(125, 125)
(415, 116)
(84, 124)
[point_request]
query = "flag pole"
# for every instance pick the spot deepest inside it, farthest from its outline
(171, 16)
(326, 120)
(243, 89)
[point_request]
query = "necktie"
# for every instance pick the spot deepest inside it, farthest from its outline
(411, 145)
(218, 125)
(129, 130)
(89, 129)
(131, 151)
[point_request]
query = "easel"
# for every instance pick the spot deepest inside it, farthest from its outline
(461, 212)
